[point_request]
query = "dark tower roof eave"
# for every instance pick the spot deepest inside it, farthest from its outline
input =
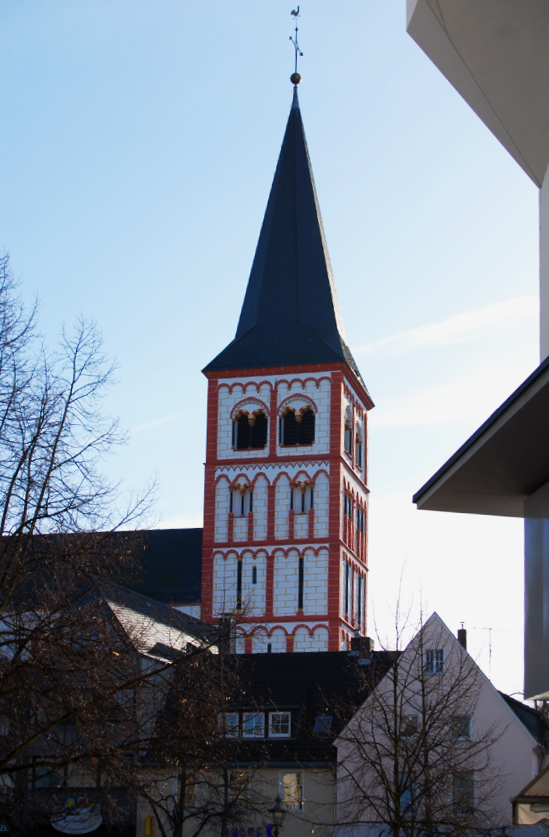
(290, 315)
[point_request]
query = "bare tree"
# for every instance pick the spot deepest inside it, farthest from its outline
(60, 662)
(187, 769)
(413, 759)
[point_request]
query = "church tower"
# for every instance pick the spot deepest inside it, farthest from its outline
(286, 511)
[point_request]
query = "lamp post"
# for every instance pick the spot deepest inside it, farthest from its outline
(277, 813)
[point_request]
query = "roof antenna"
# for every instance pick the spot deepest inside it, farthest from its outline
(295, 78)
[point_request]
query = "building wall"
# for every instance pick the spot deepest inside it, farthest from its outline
(508, 747)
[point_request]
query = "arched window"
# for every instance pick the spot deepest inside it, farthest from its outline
(307, 428)
(241, 501)
(250, 432)
(348, 438)
(301, 498)
(358, 449)
(259, 431)
(296, 430)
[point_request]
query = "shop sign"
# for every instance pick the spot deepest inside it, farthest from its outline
(76, 816)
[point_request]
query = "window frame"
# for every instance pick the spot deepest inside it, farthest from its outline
(225, 729)
(286, 802)
(409, 728)
(280, 734)
(246, 716)
(434, 661)
(459, 724)
(464, 797)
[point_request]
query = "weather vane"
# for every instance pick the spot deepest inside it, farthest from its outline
(295, 78)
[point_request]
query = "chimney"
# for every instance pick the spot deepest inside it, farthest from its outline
(462, 637)
(226, 642)
(363, 645)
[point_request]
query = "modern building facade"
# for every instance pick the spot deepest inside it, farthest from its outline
(285, 502)
(495, 55)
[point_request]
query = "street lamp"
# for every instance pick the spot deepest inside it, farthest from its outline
(277, 813)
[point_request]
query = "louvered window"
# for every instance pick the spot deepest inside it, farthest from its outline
(248, 435)
(294, 432)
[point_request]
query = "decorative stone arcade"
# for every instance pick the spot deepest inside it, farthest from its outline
(285, 524)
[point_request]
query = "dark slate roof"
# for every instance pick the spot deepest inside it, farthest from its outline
(532, 719)
(171, 566)
(290, 314)
(308, 684)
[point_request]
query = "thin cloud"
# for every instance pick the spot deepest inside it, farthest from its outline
(157, 422)
(472, 325)
(469, 397)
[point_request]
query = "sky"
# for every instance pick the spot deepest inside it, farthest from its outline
(137, 149)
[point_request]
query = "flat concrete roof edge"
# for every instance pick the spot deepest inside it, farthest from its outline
(484, 428)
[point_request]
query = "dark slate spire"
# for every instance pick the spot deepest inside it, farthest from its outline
(290, 314)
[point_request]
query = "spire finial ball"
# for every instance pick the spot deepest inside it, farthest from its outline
(295, 78)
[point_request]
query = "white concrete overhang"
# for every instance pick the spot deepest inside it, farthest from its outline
(495, 54)
(503, 462)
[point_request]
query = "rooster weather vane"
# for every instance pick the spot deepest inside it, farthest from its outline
(295, 78)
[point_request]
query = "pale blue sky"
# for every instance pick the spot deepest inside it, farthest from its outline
(137, 149)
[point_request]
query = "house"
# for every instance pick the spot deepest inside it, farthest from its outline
(434, 744)
(495, 55)
(275, 727)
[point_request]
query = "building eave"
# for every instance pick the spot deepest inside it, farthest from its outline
(494, 54)
(503, 462)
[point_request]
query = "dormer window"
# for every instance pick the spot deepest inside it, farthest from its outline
(297, 428)
(250, 432)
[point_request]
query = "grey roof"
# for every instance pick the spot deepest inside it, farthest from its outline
(290, 314)
(170, 563)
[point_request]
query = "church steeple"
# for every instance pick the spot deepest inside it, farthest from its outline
(290, 314)
(285, 488)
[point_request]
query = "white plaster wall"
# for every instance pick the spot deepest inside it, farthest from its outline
(321, 506)
(321, 395)
(240, 529)
(315, 582)
(222, 511)
(301, 526)
(259, 641)
(282, 508)
(286, 578)
(227, 400)
(260, 502)
(253, 595)
(224, 584)
(278, 641)
(302, 640)
(240, 644)
(320, 640)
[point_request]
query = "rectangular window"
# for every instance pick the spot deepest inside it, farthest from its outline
(239, 788)
(280, 724)
(461, 727)
(346, 613)
(291, 790)
(359, 603)
(409, 726)
(464, 792)
(253, 725)
(301, 571)
(254, 575)
(434, 661)
(228, 724)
